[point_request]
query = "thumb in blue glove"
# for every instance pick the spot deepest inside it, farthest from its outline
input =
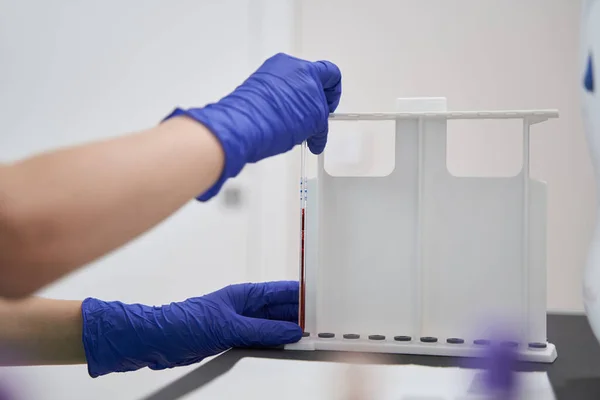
(121, 337)
(285, 102)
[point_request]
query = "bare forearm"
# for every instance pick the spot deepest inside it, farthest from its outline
(38, 331)
(66, 208)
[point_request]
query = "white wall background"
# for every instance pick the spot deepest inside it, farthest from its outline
(73, 71)
(493, 54)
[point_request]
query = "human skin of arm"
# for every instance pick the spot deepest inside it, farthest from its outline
(63, 209)
(38, 331)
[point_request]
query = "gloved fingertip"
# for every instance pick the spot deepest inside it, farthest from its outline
(316, 144)
(333, 106)
(333, 99)
(287, 285)
(294, 333)
(331, 79)
(329, 74)
(258, 298)
(280, 292)
(268, 333)
(316, 150)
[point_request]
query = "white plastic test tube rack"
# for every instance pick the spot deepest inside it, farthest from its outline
(421, 261)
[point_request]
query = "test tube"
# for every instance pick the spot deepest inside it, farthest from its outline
(302, 277)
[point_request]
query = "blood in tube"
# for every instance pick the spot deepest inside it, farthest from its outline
(302, 278)
(302, 265)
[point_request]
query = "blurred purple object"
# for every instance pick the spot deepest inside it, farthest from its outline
(500, 372)
(4, 393)
(8, 388)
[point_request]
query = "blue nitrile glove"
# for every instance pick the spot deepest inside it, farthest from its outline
(121, 337)
(285, 102)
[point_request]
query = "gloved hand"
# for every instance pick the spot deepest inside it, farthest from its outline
(285, 102)
(121, 337)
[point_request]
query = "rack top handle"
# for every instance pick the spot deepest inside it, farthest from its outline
(531, 115)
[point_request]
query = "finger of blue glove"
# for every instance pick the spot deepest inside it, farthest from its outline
(276, 292)
(247, 298)
(262, 296)
(280, 312)
(316, 143)
(256, 332)
(331, 79)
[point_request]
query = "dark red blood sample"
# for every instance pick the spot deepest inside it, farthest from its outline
(302, 282)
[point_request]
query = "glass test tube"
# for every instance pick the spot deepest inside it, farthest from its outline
(302, 277)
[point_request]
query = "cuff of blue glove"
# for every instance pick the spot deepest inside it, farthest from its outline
(91, 310)
(233, 161)
(106, 344)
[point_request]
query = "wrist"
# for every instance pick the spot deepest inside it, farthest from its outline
(112, 338)
(219, 123)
